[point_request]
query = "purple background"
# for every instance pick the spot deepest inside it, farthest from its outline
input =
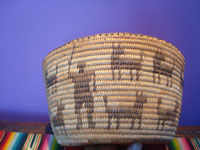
(29, 30)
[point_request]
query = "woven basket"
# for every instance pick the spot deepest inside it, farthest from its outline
(114, 88)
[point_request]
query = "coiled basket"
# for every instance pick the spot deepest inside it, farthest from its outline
(114, 88)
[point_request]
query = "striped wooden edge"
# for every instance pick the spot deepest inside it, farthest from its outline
(114, 34)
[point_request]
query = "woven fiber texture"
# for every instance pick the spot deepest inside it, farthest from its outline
(114, 88)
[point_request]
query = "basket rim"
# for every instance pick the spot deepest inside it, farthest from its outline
(111, 34)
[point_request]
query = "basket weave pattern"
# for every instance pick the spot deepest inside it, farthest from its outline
(114, 88)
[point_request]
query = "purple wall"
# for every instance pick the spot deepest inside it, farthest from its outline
(29, 30)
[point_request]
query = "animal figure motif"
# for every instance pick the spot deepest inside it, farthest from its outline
(138, 106)
(118, 62)
(132, 113)
(51, 81)
(167, 115)
(82, 93)
(161, 69)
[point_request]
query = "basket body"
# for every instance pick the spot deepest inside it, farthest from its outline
(114, 88)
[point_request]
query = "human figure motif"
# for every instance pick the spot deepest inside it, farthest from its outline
(118, 62)
(120, 111)
(167, 115)
(160, 69)
(51, 81)
(82, 93)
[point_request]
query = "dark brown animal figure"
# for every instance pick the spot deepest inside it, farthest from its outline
(132, 113)
(119, 63)
(51, 82)
(167, 115)
(82, 93)
(138, 107)
(160, 69)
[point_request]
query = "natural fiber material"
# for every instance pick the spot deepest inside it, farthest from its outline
(114, 88)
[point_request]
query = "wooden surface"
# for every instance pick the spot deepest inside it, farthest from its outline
(37, 127)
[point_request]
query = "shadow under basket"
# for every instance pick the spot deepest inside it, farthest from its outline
(114, 88)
